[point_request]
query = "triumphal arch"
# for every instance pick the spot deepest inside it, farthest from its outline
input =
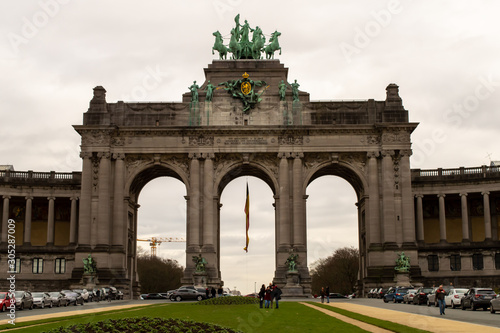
(245, 119)
(249, 118)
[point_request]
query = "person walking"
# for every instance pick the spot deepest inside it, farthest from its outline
(213, 292)
(98, 295)
(440, 293)
(327, 292)
(322, 294)
(262, 294)
(219, 291)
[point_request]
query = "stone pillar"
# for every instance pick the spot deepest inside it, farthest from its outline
(119, 216)
(84, 220)
(208, 203)
(284, 193)
(442, 219)
(5, 217)
(487, 215)
(193, 232)
(465, 217)
(104, 207)
(389, 218)
(298, 202)
(407, 201)
(420, 218)
(373, 220)
(50, 222)
(72, 221)
(27, 220)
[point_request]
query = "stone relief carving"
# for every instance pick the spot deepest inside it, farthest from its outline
(269, 161)
(222, 161)
(95, 172)
(96, 137)
(290, 140)
(395, 137)
(356, 159)
(201, 140)
(137, 161)
(371, 139)
(311, 160)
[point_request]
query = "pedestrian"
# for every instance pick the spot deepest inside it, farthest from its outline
(327, 291)
(267, 297)
(262, 294)
(322, 293)
(271, 287)
(219, 291)
(109, 296)
(207, 293)
(98, 295)
(440, 293)
(213, 292)
(277, 295)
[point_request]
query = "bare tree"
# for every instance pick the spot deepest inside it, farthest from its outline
(338, 271)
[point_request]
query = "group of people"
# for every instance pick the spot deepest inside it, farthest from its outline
(268, 295)
(212, 293)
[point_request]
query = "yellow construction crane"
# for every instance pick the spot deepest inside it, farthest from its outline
(156, 241)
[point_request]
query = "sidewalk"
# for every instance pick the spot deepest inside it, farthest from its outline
(422, 322)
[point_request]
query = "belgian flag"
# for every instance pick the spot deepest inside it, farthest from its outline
(247, 213)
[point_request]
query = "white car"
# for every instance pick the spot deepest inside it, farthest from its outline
(454, 297)
(84, 293)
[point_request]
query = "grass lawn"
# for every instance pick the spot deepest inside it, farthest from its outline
(290, 317)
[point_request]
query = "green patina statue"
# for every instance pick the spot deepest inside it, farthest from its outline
(295, 91)
(282, 90)
(89, 265)
(194, 91)
(200, 263)
(292, 262)
(240, 45)
(244, 89)
(210, 92)
(402, 263)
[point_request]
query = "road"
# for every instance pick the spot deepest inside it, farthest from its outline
(477, 317)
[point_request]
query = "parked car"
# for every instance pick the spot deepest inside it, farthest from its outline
(478, 298)
(408, 297)
(395, 295)
(454, 297)
(188, 293)
(85, 294)
(111, 292)
(420, 296)
(254, 295)
(58, 298)
(153, 296)
(381, 292)
(41, 300)
(337, 295)
(119, 294)
(495, 304)
(73, 297)
(24, 300)
(431, 298)
(5, 301)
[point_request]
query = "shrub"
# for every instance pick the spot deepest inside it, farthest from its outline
(228, 300)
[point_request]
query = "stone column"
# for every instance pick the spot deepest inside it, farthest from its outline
(72, 221)
(27, 220)
(193, 234)
(389, 217)
(373, 220)
(50, 222)
(298, 202)
(84, 220)
(208, 203)
(407, 208)
(5, 217)
(119, 216)
(104, 207)
(465, 217)
(487, 215)
(442, 218)
(284, 193)
(420, 218)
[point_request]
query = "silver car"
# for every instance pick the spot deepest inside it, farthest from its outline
(454, 297)
(41, 300)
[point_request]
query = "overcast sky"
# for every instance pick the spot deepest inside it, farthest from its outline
(443, 55)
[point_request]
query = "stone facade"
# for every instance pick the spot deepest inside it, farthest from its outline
(205, 145)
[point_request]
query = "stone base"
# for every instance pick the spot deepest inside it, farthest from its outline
(200, 279)
(89, 281)
(402, 279)
(293, 287)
